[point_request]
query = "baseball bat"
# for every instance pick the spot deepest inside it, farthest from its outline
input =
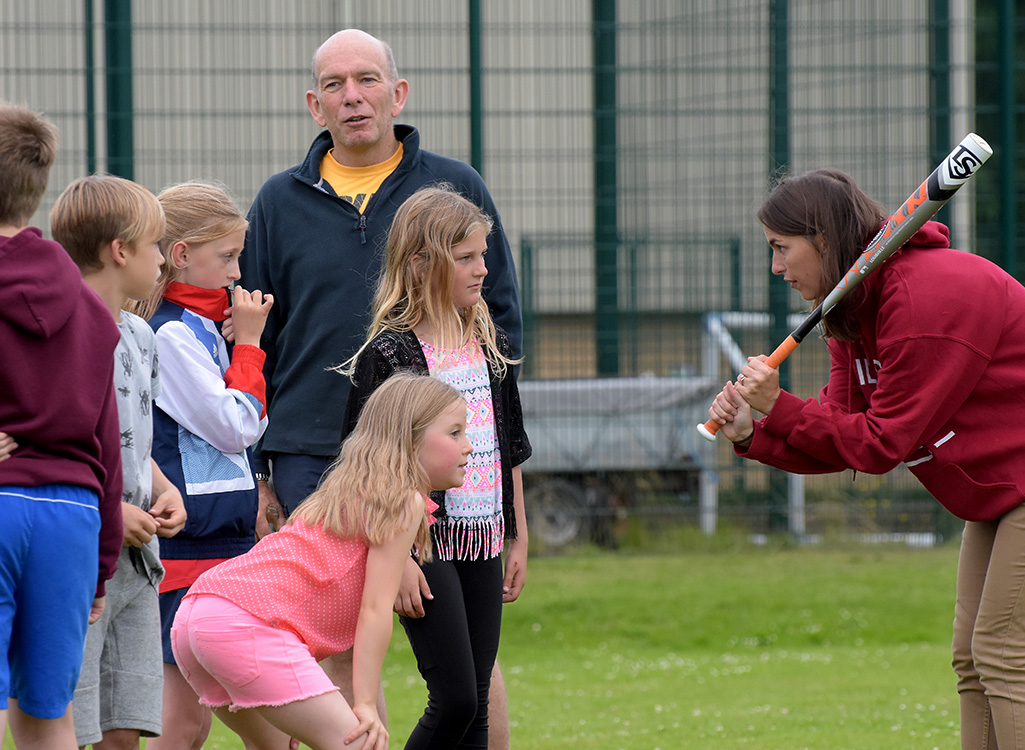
(939, 187)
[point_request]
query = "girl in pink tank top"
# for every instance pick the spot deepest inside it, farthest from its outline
(251, 630)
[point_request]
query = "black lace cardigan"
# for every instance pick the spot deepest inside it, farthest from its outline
(392, 351)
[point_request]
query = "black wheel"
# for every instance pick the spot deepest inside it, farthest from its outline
(610, 518)
(555, 510)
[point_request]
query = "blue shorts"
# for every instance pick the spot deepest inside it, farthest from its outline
(169, 603)
(49, 563)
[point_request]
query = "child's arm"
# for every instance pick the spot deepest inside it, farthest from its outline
(226, 411)
(168, 508)
(385, 564)
(516, 555)
(111, 539)
(371, 369)
(517, 451)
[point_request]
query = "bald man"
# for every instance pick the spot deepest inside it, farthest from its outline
(316, 240)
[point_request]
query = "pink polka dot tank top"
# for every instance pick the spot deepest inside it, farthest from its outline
(301, 579)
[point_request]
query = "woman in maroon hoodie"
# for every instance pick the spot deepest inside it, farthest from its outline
(927, 369)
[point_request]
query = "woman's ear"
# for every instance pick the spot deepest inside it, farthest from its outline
(179, 254)
(820, 243)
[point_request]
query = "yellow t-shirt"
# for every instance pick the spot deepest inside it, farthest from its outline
(357, 185)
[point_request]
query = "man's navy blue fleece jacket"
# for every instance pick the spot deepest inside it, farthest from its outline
(321, 258)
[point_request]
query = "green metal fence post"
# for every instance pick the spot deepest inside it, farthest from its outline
(940, 139)
(606, 228)
(779, 161)
(90, 90)
(527, 306)
(476, 90)
(118, 43)
(1008, 141)
(736, 282)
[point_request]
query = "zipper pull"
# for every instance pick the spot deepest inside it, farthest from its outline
(363, 229)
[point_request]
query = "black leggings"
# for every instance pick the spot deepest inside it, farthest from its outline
(455, 644)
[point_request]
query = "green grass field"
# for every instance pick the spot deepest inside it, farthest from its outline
(742, 647)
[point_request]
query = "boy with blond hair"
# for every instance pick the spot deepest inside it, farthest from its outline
(60, 488)
(110, 227)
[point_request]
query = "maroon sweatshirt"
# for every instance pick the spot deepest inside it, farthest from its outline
(936, 381)
(57, 341)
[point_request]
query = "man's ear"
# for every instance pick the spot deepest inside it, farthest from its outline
(313, 104)
(401, 93)
(180, 254)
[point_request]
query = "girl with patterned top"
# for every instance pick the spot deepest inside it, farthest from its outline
(429, 318)
(250, 632)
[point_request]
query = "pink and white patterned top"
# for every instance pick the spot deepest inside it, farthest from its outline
(473, 527)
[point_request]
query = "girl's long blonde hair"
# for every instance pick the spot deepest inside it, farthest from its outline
(419, 271)
(196, 213)
(366, 493)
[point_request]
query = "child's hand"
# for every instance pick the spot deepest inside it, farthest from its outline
(515, 570)
(249, 313)
(168, 510)
(412, 591)
(139, 527)
(99, 604)
(228, 327)
(7, 446)
(371, 725)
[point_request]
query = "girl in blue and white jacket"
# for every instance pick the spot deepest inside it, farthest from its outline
(211, 409)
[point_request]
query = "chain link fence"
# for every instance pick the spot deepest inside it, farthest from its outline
(627, 145)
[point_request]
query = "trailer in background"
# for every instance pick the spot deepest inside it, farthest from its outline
(605, 447)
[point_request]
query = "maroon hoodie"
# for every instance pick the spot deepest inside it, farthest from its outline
(936, 381)
(57, 341)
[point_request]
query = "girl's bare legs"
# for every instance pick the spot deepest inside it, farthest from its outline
(186, 723)
(320, 723)
(339, 670)
(31, 733)
(255, 731)
(119, 739)
(498, 712)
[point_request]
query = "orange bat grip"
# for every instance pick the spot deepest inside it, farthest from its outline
(774, 360)
(783, 351)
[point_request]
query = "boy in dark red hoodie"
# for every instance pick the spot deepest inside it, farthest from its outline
(60, 487)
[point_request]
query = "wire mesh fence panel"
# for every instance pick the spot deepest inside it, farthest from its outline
(611, 290)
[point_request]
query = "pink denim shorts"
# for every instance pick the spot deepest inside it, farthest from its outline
(231, 658)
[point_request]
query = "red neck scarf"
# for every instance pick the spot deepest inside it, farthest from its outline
(210, 303)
